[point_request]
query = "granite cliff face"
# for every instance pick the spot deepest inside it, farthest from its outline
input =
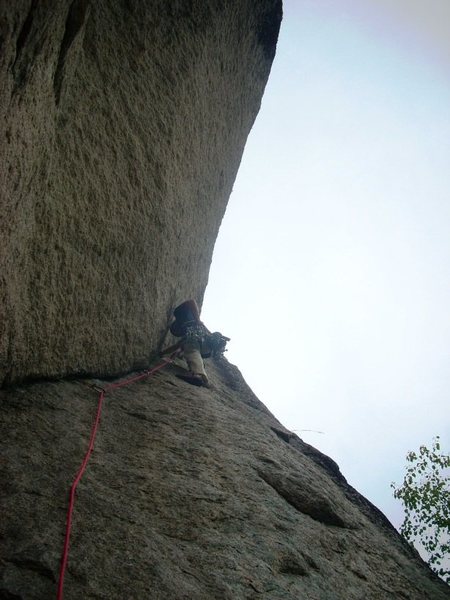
(191, 494)
(123, 127)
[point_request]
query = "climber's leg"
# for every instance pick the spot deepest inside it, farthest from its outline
(191, 351)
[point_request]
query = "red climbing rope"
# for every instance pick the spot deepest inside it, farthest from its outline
(81, 470)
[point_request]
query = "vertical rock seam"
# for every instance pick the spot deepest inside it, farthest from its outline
(75, 21)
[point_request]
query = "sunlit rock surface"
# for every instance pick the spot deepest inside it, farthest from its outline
(123, 125)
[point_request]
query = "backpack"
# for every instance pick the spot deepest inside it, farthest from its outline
(214, 344)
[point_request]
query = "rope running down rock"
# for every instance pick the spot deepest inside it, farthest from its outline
(81, 470)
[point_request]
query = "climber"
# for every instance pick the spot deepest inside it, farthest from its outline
(196, 342)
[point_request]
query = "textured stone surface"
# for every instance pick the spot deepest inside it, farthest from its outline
(191, 494)
(122, 127)
(123, 123)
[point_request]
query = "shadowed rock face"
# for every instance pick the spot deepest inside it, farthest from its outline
(190, 494)
(125, 122)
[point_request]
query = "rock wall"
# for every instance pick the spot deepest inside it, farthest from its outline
(190, 494)
(123, 124)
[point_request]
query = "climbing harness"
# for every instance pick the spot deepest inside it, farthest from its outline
(187, 325)
(102, 392)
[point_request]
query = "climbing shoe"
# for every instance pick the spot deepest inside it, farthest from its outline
(194, 379)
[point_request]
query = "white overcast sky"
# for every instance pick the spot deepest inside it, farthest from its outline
(331, 272)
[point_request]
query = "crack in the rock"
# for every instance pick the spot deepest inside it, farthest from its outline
(33, 565)
(20, 67)
(7, 595)
(283, 435)
(75, 21)
(317, 508)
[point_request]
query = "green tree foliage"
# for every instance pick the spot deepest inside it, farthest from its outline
(425, 494)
